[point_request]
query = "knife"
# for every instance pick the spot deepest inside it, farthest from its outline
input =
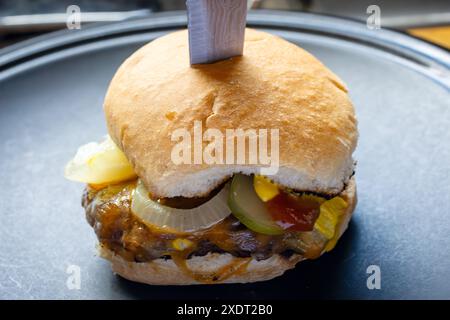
(216, 29)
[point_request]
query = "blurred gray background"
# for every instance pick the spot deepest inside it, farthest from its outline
(20, 19)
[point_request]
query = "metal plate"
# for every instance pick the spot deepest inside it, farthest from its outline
(51, 92)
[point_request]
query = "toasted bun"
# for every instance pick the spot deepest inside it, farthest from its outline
(166, 272)
(275, 85)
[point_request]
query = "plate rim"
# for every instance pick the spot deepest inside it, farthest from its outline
(405, 45)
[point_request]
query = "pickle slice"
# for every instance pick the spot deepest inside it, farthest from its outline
(249, 208)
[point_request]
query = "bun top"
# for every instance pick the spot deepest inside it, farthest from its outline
(274, 85)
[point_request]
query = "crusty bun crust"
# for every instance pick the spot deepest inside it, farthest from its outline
(275, 85)
(166, 272)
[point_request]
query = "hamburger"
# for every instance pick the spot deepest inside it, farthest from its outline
(168, 223)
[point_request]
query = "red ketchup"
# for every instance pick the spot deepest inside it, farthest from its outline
(293, 213)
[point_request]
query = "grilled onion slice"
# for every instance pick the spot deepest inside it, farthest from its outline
(99, 163)
(179, 220)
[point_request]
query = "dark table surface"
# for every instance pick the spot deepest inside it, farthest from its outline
(51, 93)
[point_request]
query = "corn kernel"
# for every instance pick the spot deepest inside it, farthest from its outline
(181, 244)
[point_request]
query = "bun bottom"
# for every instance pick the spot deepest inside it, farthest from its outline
(167, 272)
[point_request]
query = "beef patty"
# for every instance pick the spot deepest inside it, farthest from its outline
(108, 211)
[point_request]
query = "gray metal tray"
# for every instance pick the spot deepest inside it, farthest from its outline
(51, 92)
